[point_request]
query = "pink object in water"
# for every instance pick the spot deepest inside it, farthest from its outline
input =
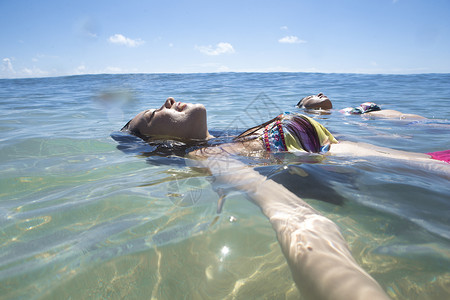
(441, 155)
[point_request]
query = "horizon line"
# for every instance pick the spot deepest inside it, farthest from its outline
(219, 72)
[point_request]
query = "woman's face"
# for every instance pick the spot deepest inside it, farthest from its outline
(319, 101)
(173, 119)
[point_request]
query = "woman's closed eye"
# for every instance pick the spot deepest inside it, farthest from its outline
(152, 114)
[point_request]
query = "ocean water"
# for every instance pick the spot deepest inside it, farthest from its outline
(83, 217)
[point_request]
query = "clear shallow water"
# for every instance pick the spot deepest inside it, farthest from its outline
(80, 218)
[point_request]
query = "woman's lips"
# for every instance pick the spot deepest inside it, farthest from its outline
(180, 106)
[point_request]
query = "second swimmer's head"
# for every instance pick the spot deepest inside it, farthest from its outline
(319, 101)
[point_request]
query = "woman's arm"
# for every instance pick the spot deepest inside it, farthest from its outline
(321, 263)
(393, 114)
(423, 161)
(318, 256)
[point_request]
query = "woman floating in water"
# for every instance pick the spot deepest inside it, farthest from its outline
(322, 102)
(318, 256)
(294, 133)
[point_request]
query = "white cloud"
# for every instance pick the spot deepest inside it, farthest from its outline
(284, 28)
(87, 28)
(223, 69)
(7, 70)
(81, 69)
(90, 34)
(221, 48)
(34, 72)
(112, 70)
(7, 66)
(211, 67)
(122, 40)
(291, 39)
(44, 57)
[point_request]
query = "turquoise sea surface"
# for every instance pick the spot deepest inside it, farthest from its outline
(83, 217)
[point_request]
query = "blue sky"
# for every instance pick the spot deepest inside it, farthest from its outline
(56, 38)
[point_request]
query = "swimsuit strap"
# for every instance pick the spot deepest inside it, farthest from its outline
(280, 129)
(266, 138)
(274, 139)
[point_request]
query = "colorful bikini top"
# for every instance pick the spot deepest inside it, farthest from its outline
(362, 109)
(297, 133)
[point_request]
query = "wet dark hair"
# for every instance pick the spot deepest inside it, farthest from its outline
(134, 132)
(300, 103)
(148, 146)
(131, 143)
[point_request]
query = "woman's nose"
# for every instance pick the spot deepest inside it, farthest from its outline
(169, 102)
